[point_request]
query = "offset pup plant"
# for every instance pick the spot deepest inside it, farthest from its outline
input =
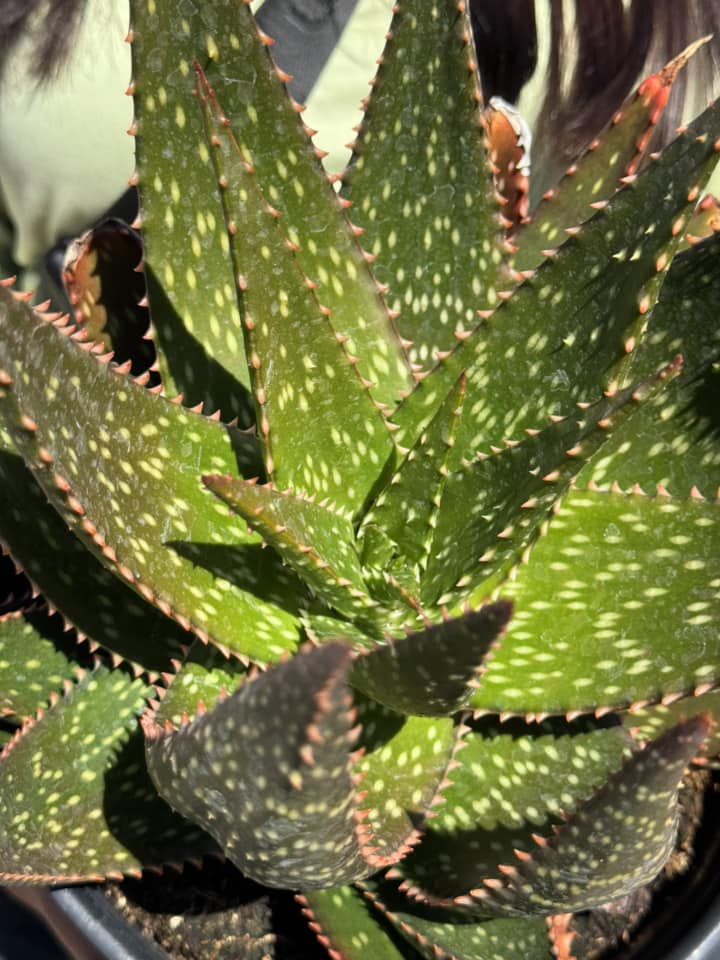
(394, 576)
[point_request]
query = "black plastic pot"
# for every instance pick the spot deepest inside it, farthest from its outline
(21, 935)
(89, 910)
(690, 933)
(702, 942)
(253, 912)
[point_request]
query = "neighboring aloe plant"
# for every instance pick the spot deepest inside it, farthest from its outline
(390, 447)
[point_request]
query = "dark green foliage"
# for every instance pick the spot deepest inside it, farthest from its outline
(617, 841)
(432, 671)
(549, 453)
(77, 801)
(35, 661)
(278, 797)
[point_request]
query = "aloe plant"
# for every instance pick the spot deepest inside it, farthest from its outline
(385, 564)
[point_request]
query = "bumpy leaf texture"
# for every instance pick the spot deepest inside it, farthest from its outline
(386, 479)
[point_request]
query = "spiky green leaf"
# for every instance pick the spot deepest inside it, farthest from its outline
(513, 780)
(305, 431)
(400, 522)
(560, 335)
(321, 626)
(436, 937)
(77, 802)
(420, 181)
(615, 842)
(98, 604)
(673, 442)
(268, 773)
(319, 543)
(344, 923)
(226, 44)
(125, 471)
(649, 722)
(196, 323)
(607, 635)
(404, 770)
(35, 661)
(203, 677)
(431, 672)
(617, 152)
(492, 506)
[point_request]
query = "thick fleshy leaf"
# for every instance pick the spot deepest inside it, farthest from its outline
(331, 442)
(268, 773)
(102, 282)
(618, 840)
(432, 672)
(650, 722)
(419, 753)
(558, 338)
(491, 508)
(100, 605)
(402, 518)
(290, 177)
(175, 187)
(196, 323)
(77, 802)
(35, 661)
(607, 634)
(436, 937)
(420, 181)
(673, 442)
(320, 627)
(204, 677)
(511, 492)
(344, 923)
(513, 780)
(318, 542)
(617, 152)
(704, 223)
(124, 470)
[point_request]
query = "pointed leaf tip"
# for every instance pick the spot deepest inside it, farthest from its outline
(267, 726)
(631, 820)
(429, 672)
